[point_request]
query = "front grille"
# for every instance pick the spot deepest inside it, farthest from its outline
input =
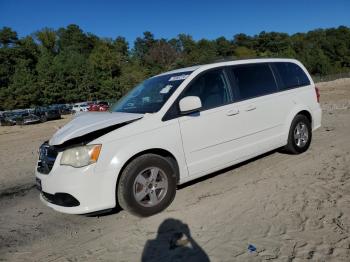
(47, 157)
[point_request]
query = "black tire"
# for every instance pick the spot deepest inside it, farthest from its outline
(292, 147)
(125, 190)
(43, 118)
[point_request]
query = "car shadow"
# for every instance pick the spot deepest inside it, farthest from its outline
(173, 243)
(105, 212)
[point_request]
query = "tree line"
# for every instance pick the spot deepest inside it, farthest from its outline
(69, 65)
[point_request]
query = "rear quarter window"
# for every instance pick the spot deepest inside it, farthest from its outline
(253, 80)
(291, 75)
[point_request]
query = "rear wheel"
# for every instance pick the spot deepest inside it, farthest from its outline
(20, 122)
(300, 135)
(43, 118)
(147, 185)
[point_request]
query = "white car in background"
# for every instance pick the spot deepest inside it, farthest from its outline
(80, 107)
(176, 127)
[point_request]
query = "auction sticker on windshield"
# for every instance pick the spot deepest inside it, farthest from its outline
(177, 78)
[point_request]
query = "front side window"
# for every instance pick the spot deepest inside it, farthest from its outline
(291, 75)
(211, 88)
(253, 80)
(150, 95)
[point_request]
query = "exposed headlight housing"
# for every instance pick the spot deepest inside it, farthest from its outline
(81, 155)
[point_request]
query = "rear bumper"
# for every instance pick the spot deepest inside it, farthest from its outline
(316, 118)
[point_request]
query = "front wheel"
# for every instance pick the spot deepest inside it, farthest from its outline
(300, 135)
(43, 118)
(147, 185)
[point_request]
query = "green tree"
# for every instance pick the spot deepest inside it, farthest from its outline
(22, 91)
(69, 65)
(105, 63)
(244, 52)
(75, 39)
(162, 56)
(143, 45)
(7, 37)
(224, 48)
(48, 39)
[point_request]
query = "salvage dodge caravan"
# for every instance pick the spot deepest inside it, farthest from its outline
(173, 128)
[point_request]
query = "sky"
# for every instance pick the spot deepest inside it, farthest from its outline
(167, 19)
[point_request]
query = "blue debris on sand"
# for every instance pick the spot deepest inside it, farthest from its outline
(251, 248)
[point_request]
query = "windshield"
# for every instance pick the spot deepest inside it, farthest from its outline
(150, 95)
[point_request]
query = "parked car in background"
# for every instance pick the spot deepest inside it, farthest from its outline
(15, 116)
(47, 113)
(80, 107)
(19, 117)
(99, 106)
(62, 108)
(26, 118)
(7, 119)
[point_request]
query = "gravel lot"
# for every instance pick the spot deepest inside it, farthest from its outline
(291, 208)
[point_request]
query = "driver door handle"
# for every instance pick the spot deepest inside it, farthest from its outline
(232, 112)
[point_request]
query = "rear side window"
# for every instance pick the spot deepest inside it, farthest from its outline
(291, 75)
(253, 80)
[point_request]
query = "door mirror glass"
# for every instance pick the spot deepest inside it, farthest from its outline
(190, 104)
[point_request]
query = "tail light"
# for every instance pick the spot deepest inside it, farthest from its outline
(317, 94)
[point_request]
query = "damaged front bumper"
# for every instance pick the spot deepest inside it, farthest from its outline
(76, 190)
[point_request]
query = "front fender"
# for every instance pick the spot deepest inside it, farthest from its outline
(116, 153)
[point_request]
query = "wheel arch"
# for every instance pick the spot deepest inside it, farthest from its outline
(292, 147)
(307, 114)
(299, 110)
(157, 151)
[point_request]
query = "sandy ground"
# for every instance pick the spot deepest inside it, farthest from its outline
(291, 208)
(18, 152)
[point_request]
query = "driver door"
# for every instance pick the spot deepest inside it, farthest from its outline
(205, 134)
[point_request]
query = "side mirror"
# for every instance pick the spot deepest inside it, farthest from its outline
(190, 104)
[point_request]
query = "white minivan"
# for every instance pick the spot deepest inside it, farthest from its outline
(173, 128)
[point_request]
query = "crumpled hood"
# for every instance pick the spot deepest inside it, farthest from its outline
(85, 123)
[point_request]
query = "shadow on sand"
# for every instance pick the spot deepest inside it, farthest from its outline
(173, 243)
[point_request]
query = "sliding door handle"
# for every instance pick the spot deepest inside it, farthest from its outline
(250, 108)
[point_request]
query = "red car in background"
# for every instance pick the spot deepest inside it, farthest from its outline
(100, 106)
